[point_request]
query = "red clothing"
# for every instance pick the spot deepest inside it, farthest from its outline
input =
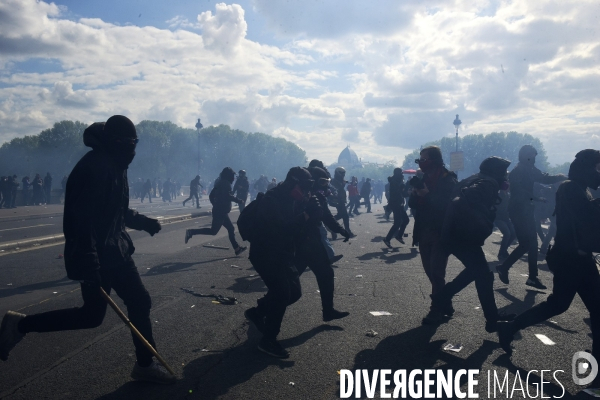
(352, 190)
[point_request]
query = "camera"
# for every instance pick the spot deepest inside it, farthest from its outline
(416, 182)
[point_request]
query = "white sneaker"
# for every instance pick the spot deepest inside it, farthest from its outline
(9, 333)
(154, 373)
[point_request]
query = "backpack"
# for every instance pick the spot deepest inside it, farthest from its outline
(247, 224)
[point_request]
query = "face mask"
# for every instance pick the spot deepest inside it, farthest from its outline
(297, 193)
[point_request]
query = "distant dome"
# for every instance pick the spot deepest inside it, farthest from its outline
(348, 158)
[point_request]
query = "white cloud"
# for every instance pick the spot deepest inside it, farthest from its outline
(386, 78)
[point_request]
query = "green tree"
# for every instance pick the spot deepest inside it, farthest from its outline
(478, 147)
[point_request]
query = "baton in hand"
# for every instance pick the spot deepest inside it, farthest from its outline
(137, 333)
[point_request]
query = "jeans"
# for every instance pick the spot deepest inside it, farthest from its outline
(126, 281)
(524, 223)
(434, 259)
(218, 220)
(508, 234)
(284, 289)
(325, 242)
(400, 223)
(574, 274)
(476, 269)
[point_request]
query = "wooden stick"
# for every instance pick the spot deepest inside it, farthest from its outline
(137, 333)
(212, 246)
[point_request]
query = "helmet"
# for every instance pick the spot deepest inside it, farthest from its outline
(527, 153)
(320, 177)
(242, 172)
(340, 171)
(398, 171)
(300, 176)
(316, 163)
(495, 167)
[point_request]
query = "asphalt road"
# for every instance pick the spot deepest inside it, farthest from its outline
(213, 348)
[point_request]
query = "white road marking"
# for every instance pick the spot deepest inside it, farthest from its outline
(25, 227)
(544, 339)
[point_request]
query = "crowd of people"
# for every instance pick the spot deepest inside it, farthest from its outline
(286, 225)
(41, 190)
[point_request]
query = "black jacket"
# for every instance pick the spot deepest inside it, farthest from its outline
(339, 185)
(223, 197)
(577, 219)
(96, 214)
(241, 187)
(430, 209)
(365, 190)
(396, 192)
(281, 220)
(521, 179)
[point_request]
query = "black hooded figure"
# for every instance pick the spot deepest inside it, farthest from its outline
(571, 257)
(521, 212)
(221, 199)
(194, 191)
(468, 222)
(396, 198)
(98, 248)
(241, 188)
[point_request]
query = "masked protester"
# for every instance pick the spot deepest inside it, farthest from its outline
(339, 184)
(521, 212)
(468, 222)
(429, 199)
(241, 188)
(221, 199)
(98, 248)
(365, 193)
(571, 257)
(395, 204)
(146, 191)
(310, 250)
(194, 191)
(282, 215)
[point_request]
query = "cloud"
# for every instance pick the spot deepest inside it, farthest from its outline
(63, 95)
(225, 30)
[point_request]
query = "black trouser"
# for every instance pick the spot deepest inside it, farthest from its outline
(126, 281)
(508, 233)
(313, 255)
(476, 269)
(144, 194)
(219, 219)
(6, 199)
(573, 274)
(354, 204)
(283, 284)
(524, 223)
(400, 222)
(192, 195)
(342, 214)
(367, 202)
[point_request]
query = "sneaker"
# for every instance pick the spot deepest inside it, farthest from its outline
(434, 317)
(502, 274)
(272, 348)
(535, 282)
(258, 320)
(505, 336)
(492, 326)
(329, 315)
(188, 235)
(9, 333)
(387, 243)
(154, 373)
(240, 250)
(335, 259)
(369, 212)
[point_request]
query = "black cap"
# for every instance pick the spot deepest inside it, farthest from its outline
(121, 126)
(301, 176)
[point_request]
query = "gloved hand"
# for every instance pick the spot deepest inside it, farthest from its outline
(152, 226)
(313, 209)
(92, 278)
(346, 235)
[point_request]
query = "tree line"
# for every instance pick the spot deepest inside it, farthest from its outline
(165, 150)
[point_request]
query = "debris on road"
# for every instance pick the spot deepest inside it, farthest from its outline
(545, 339)
(379, 313)
(9, 284)
(453, 347)
(371, 333)
(359, 276)
(291, 384)
(218, 299)
(235, 266)
(212, 246)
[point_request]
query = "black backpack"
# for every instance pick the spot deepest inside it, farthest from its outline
(247, 221)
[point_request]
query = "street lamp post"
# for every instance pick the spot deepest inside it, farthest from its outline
(456, 123)
(198, 127)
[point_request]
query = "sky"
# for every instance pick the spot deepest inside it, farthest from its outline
(381, 76)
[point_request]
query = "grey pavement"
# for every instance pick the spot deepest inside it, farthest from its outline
(213, 348)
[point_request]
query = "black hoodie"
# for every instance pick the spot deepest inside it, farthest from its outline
(97, 211)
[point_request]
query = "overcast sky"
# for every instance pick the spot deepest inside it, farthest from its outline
(382, 76)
